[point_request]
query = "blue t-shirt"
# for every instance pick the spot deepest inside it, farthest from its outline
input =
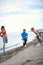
(24, 35)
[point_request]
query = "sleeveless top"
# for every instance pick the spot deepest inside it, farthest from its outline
(3, 32)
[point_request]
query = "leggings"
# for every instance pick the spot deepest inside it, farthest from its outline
(25, 40)
(39, 40)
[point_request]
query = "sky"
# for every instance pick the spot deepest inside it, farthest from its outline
(16, 15)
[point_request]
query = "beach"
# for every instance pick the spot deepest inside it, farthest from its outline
(31, 55)
(13, 52)
(10, 53)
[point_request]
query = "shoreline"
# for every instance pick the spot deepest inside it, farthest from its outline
(14, 51)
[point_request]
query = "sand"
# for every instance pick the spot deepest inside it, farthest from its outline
(13, 52)
(31, 55)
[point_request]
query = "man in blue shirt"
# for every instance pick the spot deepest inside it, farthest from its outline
(24, 37)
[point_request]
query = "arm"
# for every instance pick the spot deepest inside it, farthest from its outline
(26, 35)
(39, 33)
(1, 34)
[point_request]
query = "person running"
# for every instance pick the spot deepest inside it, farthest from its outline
(3, 34)
(38, 34)
(24, 35)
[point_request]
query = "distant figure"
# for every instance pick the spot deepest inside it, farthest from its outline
(24, 37)
(38, 34)
(3, 34)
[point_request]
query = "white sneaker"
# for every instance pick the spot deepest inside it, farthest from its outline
(38, 44)
(25, 46)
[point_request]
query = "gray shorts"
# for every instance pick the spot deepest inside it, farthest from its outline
(5, 40)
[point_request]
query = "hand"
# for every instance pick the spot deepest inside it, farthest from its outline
(1, 35)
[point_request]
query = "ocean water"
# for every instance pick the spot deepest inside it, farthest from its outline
(15, 40)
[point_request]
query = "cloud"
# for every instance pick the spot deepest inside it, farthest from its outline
(19, 6)
(21, 14)
(21, 21)
(14, 4)
(25, 11)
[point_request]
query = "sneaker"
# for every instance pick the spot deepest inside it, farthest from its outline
(25, 46)
(38, 44)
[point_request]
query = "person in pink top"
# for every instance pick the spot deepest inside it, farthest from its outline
(38, 34)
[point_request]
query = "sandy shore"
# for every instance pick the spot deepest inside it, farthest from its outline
(31, 55)
(13, 52)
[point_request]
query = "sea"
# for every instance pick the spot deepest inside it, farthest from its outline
(15, 40)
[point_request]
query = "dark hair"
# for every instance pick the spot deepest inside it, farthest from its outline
(32, 28)
(2, 27)
(24, 29)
